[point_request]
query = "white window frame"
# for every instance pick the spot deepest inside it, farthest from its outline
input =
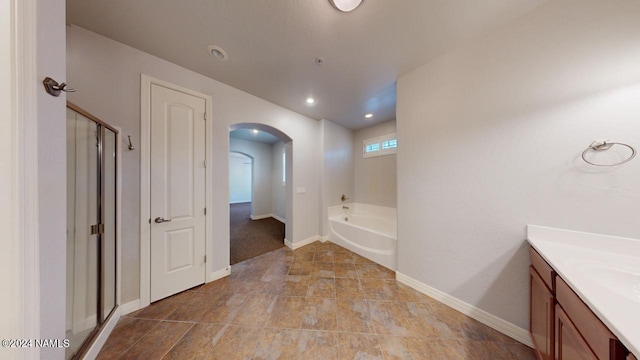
(284, 167)
(379, 141)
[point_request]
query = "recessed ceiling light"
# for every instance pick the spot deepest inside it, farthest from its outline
(368, 116)
(255, 131)
(345, 5)
(311, 100)
(218, 52)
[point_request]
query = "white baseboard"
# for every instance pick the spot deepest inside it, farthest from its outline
(259, 217)
(324, 239)
(266, 216)
(503, 326)
(130, 307)
(134, 305)
(102, 337)
(216, 275)
(299, 244)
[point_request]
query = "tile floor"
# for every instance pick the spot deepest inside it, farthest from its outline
(318, 302)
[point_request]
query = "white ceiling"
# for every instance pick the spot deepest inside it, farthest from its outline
(272, 44)
(249, 134)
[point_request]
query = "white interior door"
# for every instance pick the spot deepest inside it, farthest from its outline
(177, 191)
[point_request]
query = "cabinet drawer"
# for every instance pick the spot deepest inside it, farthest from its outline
(544, 270)
(603, 343)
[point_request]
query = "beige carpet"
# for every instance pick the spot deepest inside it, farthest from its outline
(250, 238)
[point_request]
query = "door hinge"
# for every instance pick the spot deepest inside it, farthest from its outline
(97, 229)
(205, 116)
(205, 211)
(205, 164)
(205, 259)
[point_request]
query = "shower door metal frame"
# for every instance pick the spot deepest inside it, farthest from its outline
(100, 318)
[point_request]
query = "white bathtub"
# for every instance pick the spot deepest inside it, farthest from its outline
(367, 230)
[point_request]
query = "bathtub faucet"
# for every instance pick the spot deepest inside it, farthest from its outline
(344, 197)
(345, 207)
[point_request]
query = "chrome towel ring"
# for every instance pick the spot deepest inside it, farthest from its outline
(602, 145)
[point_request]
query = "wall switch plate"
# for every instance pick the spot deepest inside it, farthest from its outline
(301, 190)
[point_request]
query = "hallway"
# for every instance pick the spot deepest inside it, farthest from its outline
(320, 301)
(251, 238)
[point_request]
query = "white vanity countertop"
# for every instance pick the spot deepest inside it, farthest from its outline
(603, 270)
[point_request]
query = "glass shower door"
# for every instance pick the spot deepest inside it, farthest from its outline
(108, 293)
(92, 148)
(82, 212)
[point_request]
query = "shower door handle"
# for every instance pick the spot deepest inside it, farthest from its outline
(160, 220)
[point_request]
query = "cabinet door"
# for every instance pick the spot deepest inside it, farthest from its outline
(541, 316)
(631, 357)
(569, 343)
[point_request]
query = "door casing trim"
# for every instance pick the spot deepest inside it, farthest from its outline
(24, 241)
(145, 180)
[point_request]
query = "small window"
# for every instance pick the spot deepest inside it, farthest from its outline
(284, 168)
(383, 145)
(372, 147)
(389, 144)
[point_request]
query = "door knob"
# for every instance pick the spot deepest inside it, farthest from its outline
(160, 220)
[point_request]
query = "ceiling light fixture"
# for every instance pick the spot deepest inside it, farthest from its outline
(255, 131)
(368, 116)
(345, 5)
(311, 100)
(218, 52)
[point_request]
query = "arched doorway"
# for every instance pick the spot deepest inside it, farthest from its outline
(263, 224)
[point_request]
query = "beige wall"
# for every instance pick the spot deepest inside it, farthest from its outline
(261, 182)
(375, 177)
(106, 75)
(490, 138)
(33, 209)
(269, 195)
(240, 178)
(52, 197)
(337, 167)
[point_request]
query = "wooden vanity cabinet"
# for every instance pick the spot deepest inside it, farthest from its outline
(601, 341)
(562, 326)
(569, 343)
(542, 310)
